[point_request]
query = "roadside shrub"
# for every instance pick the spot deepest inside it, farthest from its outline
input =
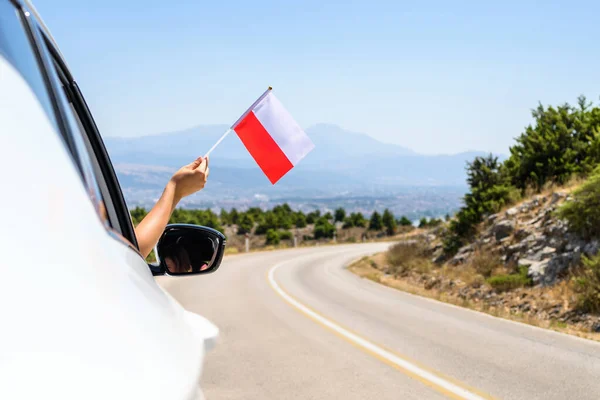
(389, 222)
(340, 214)
(587, 285)
(246, 223)
(376, 222)
(272, 237)
(300, 220)
(323, 228)
(404, 221)
(403, 257)
(506, 282)
(484, 262)
(583, 213)
(285, 235)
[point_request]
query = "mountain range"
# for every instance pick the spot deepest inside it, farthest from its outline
(343, 164)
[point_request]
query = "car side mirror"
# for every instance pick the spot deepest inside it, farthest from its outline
(189, 250)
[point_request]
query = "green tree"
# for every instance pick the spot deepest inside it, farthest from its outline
(211, 220)
(285, 235)
(490, 190)
(246, 223)
(404, 221)
(234, 216)
(225, 217)
(423, 223)
(328, 216)
(348, 223)
(561, 142)
(272, 237)
(340, 214)
(323, 228)
(358, 220)
(300, 220)
(375, 224)
(389, 222)
(312, 216)
(583, 212)
(269, 222)
(256, 213)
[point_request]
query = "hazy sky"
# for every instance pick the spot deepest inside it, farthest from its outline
(435, 76)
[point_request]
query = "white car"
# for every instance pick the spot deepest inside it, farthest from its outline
(81, 315)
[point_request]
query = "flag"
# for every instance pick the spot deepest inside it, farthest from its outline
(272, 137)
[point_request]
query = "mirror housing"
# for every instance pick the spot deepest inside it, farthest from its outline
(185, 249)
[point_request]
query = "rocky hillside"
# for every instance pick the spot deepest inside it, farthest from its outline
(530, 235)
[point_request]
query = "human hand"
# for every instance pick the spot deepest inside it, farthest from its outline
(191, 178)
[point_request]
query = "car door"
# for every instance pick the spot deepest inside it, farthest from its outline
(109, 331)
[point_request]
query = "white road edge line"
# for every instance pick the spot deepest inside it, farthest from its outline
(392, 358)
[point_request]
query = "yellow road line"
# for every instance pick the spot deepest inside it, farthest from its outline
(450, 388)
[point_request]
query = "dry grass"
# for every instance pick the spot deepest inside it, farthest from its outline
(463, 273)
(469, 276)
(403, 257)
(484, 262)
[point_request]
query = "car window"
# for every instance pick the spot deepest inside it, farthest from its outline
(98, 172)
(78, 147)
(16, 48)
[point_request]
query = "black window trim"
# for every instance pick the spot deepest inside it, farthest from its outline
(32, 26)
(29, 28)
(100, 152)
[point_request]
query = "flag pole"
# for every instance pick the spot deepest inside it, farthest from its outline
(239, 119)
(218, 141)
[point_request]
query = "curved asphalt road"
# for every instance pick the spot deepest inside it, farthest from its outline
(316, 331)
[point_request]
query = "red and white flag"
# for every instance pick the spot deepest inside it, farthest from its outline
(272, 137)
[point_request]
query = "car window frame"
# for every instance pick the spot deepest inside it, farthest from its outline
(51, 62)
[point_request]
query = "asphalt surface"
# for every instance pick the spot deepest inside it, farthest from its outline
(296, 325)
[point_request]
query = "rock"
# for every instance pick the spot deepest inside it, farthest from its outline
(595, 327)
(526, 262)
(459, 259)
(504, 240)
(511, 212)
(557, 228)
(465, 249)
(557, 242)
(538, 200)
(439, 259)
(492, 218)
(503, 229)
(536, 270)
(556, 196)
(524, 208)
(575, 245)
(521, 234)
(544, 254)
(546, 272)
(535, 222)
(516, 248)
(591, 248)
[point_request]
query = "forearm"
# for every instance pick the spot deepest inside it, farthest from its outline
(153, 225)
